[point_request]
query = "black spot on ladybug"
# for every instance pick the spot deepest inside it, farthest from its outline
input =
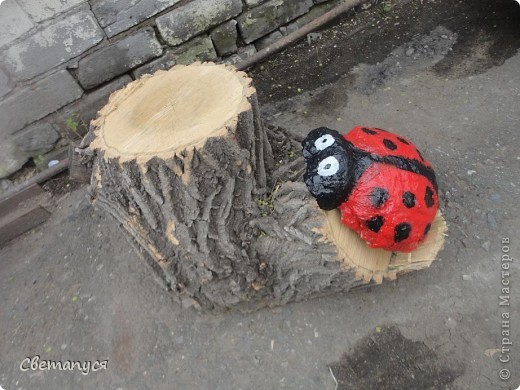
(389, 144)
(403, 141)
(408, 199)
(378, 196)
(428, 197)
(427, 229)
(375, 223)
(402, 231)
(419, 153)
(368, 131)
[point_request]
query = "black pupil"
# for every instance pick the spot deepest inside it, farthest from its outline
(324, 140)
(327, 166)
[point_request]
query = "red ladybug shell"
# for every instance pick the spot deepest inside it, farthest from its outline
(390, 207)
(383, 143)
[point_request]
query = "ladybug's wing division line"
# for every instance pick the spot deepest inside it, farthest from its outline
(409, 165)
(399, 162)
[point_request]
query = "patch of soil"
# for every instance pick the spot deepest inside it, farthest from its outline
(61, 184)
(389, 361)
(422, 52)
(486, 30)
(488, 33)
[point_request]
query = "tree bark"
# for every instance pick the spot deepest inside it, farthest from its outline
(184, 164)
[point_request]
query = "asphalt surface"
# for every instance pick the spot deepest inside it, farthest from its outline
(73, 289)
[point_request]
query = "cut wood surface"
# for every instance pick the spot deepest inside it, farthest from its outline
(9, 205)
(21, 212)
(20, 221)
(376, 264)
(80, 164)
(165, 114)
(186, 167)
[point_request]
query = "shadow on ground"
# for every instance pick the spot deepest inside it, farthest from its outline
(386, 360)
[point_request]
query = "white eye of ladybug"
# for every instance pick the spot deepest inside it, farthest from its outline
(328, 166)
(324, 142)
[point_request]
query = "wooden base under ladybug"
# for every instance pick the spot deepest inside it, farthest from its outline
(378, 264)
(184, 164)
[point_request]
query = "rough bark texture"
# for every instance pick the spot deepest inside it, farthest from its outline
(222, 225)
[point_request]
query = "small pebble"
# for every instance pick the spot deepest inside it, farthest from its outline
(5, 184)
(486, 246)
(491, 221)
(410, 51)
(466, 277)
(496, 197)
(451, 323)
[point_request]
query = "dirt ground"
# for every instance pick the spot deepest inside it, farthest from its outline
(444, 74)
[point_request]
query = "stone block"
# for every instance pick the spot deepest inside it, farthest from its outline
(166, 61)
(118, 58)
(198, 49)
(57, 43)
(314, 13)
(40, 10)
(116, 16)
(14, 22)
(36, 139)
(267, 17)
(224, 38)
(11, 158)
(242, 54)
(38, 100)
(74, 119)
(268, 39)
(254, 3)
(196, 17)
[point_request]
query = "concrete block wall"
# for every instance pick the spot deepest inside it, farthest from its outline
(61, 59)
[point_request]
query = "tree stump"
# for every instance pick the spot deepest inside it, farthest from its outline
(185, 165)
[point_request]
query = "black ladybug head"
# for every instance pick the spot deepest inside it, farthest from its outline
(327, 174)
(319, 140)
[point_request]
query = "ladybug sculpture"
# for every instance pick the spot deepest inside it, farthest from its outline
(385, 189)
